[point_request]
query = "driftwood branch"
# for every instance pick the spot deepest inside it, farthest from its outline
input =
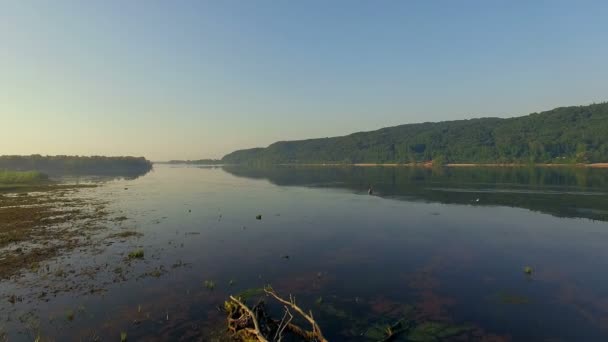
(256, 330)
(316, 330)
(287, 317)
(254, 324)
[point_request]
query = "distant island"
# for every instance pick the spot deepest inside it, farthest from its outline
(77, 165)
(194, 162)
(565, 135)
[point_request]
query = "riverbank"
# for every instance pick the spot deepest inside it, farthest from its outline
(459, 165)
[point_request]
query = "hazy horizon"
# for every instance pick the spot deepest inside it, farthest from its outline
(193, 80)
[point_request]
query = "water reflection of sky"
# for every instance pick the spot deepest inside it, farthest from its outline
(453, 261)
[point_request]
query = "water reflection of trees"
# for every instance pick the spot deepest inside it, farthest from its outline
(564, 192)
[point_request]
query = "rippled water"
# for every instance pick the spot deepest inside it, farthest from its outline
(439, 246)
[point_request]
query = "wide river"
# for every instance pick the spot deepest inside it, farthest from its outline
(443, 249)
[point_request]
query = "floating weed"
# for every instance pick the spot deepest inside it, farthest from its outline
(123, 336)
(155, 273)
(69, 315)
(126, 234)
(137, 254)
(528, 270)
(139, 308)
(209, 284)
(231, 282)
(319, 301)
(433, 331)
(258, 217)
(331, 310)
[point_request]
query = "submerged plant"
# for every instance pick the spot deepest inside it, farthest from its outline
(123, 336)
(209, 284)
(528, 270)
(249, 293)
(137, 254)
(69, 315)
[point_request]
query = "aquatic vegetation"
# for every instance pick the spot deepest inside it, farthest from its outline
(319, 301)
(126, 234)
(22, 177)
(25, 223)
(528, 270)
(434, 331)
(258, 217)
(387, 332)
(209, 284)
(249, 293)
(136, 254)
(231, 282)
(331, 310)
(69, 315)
(155, 273)
(123, 336)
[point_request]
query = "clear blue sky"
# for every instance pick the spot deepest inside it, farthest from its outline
(180, 79)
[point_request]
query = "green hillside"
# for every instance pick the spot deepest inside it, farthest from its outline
(563, 135)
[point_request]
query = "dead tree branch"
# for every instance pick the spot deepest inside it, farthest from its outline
(316, 330)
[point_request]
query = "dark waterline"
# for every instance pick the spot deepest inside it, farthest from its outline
(448, 245)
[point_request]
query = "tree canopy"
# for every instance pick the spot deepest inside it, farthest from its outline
(577, 134)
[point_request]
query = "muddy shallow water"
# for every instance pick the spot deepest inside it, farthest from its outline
(445, 249)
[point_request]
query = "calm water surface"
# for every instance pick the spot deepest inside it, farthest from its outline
(441, 246)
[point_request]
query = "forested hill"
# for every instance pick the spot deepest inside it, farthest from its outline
(562, 135)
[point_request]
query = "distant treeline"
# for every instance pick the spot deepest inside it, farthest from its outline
(77, 165)
(195, 162)
(562, 135)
